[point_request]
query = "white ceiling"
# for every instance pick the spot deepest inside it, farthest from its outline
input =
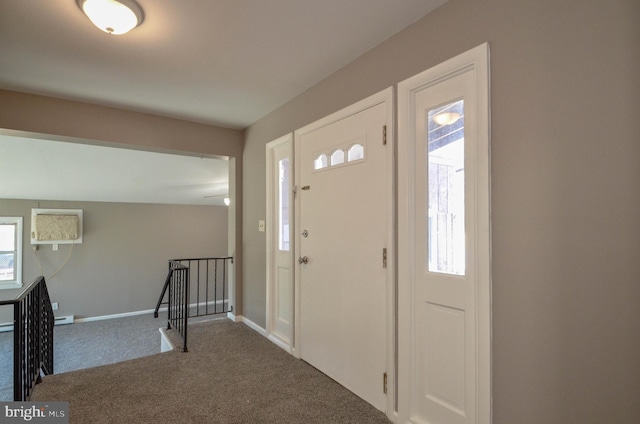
(53, 170)
(222, 62)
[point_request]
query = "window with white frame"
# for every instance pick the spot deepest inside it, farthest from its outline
(10, 252)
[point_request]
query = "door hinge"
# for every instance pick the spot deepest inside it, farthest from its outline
(384, 383)
(384, 257)
(384, 135)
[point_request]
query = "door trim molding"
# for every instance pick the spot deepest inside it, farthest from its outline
(271, 240)
(383, 97)
(475, 60)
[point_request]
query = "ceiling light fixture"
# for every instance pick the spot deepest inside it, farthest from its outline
(113, 16)
(447, 118)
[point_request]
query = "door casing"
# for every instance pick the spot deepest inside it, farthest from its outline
(476, 61)
(283, 144)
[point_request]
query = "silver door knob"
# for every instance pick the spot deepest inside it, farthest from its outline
(303, 260)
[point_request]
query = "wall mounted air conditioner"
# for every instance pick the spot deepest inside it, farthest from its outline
(56, 226)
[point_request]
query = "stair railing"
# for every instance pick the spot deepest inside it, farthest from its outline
(209, 285)
(178, 305)
(195, 287)
(33, 322)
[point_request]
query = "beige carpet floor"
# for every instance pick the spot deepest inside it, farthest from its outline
(230, 375)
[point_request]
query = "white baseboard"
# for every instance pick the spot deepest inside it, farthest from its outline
(122, 315)
(148, 311)
(70, 318)
(278, 341)
(250, 324)
(263, 332)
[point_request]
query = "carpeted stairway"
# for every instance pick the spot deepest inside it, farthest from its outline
(89, 344)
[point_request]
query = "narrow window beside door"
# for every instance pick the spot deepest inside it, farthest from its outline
(445, 228)
(283, 205)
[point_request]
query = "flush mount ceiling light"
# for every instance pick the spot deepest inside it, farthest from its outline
(447, 118)
(113, 16)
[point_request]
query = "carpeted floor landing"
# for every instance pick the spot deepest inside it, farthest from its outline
(230, 375)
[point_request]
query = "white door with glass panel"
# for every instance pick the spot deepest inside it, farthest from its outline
(344, 188)
(444, 296)
(279, 241)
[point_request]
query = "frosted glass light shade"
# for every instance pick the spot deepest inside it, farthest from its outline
(447, 118)
(113, 16)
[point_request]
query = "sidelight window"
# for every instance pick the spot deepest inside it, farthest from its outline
(446, 221)
(283, 205)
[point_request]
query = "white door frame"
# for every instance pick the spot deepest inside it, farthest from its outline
(477, 61)
(386, 96)
(283, 142)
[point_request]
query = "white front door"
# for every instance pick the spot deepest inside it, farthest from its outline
(280, 269)
(343, 190)
(444, 243)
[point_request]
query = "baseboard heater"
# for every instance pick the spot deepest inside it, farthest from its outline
(8, 326)
(64, 320)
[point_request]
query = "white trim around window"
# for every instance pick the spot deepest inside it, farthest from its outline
(11, 272)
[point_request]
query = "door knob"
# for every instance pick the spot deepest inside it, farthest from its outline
(303, 260)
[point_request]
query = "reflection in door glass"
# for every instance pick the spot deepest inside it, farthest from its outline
(445, 141)
(283, 205)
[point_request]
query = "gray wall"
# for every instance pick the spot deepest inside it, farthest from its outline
(84, 121)
(122, 261)
(565, 193)
(23, 114)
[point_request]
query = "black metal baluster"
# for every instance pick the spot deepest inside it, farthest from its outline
(186, 306)
(206, 305)
(224, 285)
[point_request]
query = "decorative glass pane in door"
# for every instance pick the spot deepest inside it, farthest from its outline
(446, 225)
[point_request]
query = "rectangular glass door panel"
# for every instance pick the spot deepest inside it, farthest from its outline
(283, 205)
(446, 226)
